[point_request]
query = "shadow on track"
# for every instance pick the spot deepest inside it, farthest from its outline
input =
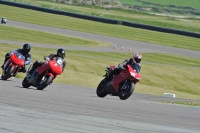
(31, 88)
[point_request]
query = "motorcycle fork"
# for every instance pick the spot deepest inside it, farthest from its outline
(124, 85)
(16, 70)
(43, 77)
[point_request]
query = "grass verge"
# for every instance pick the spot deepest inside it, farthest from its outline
(17, 34)
(182, 103)
(128, 15)
(41, 18)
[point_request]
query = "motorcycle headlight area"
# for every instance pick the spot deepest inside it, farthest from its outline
(59, 62)
(20, 56)
(132, 74)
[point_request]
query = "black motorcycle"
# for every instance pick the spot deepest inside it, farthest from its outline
(3, 20)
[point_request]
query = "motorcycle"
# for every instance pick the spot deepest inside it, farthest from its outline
(121, 84)
(43, 75)
(3, 21)
(13, 65)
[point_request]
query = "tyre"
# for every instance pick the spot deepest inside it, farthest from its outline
(126, 89)
(8, 72)
(44, 83)
(25, 83)
(101, 92)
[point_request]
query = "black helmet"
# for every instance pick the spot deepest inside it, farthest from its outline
(61, 53)
(26, 48)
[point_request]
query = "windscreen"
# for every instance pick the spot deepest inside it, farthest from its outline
(135, 67)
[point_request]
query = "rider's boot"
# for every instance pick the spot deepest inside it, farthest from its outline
(2, 66)
(23, 69)
(31, 70)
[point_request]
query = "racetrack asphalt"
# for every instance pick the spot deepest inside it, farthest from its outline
(62, 108)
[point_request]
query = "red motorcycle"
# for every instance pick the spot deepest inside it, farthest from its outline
(44, 74)
(13, 65)
(122, 84)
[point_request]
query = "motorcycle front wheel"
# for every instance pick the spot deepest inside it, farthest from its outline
(44, 82)
(8, 72)
(101, 92)
(126, 89)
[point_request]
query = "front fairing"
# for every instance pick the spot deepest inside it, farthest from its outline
(56, 65)
(131, 73)
(42, 68)
(134, 71)
(123, 75)
(17, 58)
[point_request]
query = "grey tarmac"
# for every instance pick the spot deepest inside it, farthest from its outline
(73, 109)
(62, 108)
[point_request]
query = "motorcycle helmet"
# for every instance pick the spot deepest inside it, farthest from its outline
(61, 53)
(137, 57)
(26, 48)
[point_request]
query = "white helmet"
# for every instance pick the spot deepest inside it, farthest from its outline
(137, 57)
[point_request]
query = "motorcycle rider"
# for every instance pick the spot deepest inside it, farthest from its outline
(3, 20)
(136, 59)
(60, 53)
(25, 52)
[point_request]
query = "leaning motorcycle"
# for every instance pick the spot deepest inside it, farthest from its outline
(3, 21)
(121, 84)
(13, 65)
(44, 75)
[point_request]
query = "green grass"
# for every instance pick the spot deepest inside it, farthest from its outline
(160, 72)
(183, 103)
(190, 3)
(122, 14)
(185, 3)
(17, 34)
(179, 6)
(65, 22)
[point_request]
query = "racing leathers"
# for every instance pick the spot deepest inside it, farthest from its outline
(120, 67)
(39, 63)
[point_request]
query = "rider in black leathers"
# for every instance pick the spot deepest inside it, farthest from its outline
(60, 53)
(25, 52)
(137, 57)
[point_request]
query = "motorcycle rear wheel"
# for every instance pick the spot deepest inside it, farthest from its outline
(8, 73)
(47, 81)
(25, 83)
(126, 90)
(101, 92)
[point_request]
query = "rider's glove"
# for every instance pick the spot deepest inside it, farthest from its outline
(139, 66)
(120, 66)
(46, 58)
